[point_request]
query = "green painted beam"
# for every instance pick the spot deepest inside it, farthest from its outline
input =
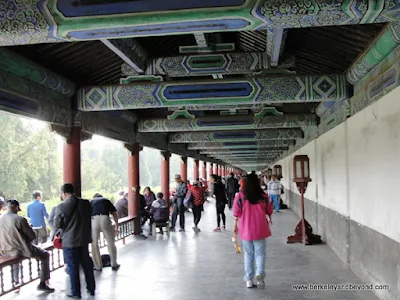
(255, 145)
(256, 90)
(55, 20)
(379, 50)
(226, 123)
(208, 64)
(18, 65)
(236, 136)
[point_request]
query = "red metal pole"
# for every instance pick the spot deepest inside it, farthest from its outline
(184, 169)
(133, 185)
(303, 225)
(72, 160)
(165, 155)
(196, 166)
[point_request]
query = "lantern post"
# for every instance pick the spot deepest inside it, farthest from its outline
(303, 231)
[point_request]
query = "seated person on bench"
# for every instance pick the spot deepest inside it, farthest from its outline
(160, 211)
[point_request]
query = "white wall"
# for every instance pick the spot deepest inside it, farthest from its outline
(355, 167)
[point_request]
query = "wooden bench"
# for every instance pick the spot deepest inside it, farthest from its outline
(10, 260)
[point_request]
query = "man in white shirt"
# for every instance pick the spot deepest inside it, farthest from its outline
(274, 192)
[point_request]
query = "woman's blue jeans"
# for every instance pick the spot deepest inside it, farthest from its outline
(254, 251)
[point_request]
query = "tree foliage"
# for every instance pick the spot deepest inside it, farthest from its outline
(31, 159)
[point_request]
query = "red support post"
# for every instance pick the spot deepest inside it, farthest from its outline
(72, 160)
(133, 185)
(165, 156)
(210, 170)
(196, 166)
(215, 169)
(204, 170)
(184, 169)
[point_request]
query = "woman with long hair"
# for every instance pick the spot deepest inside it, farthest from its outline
(220, 200)
(253, 210)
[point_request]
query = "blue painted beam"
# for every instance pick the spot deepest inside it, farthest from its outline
(256, 90)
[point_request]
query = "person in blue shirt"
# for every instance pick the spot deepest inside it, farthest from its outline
(36, 213)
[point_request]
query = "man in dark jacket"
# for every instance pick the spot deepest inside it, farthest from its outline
(73, 220)
(232, 187)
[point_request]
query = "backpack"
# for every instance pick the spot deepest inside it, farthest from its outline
(106, 260)
(188, 201)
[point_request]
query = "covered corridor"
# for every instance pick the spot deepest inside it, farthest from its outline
(205, 266)
(237, 85)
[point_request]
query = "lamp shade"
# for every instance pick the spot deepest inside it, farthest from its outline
(278, 170)
(301, 168)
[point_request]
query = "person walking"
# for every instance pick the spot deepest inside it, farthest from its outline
(220, 201)
(252, 210)
(73, 219)
(232, 187)
(36, 212)
(198, 192)
(16, 237)
(102, 208)
(178, 207)
(274, 192)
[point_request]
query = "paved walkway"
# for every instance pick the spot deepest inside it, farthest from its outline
(205, 266)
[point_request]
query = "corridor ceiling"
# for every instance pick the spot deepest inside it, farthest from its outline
(239, 96)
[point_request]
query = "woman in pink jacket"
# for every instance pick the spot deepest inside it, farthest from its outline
(253, 211)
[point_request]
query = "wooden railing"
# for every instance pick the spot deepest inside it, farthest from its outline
(16, 272)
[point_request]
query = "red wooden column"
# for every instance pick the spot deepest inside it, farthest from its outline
(165, 156)
(72, 154)
(215, 169)
(133, 184)
(196, 166)
(72, 160)
(210, 170)
(204, 170)
(184, 168)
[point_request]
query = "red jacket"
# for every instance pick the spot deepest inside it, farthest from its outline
(198, 195)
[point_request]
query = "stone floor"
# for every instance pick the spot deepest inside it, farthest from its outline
(205, 266)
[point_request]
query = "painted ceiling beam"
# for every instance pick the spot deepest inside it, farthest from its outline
(130, 51)
(242, 151)
(379, 50)
(22, 67)
(255, 90)
(236, 136)
(226, 123)
(212, 48)
(255, 145)
(209, 64)
(276, 38)
(69, 20)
